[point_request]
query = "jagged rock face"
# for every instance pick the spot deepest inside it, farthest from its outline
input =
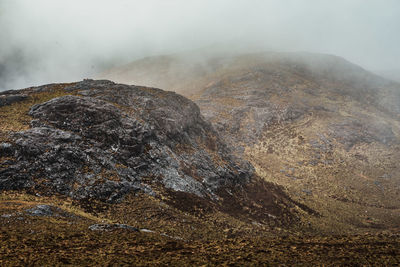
(108, 139)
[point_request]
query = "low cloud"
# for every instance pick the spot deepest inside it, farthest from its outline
(46, 41)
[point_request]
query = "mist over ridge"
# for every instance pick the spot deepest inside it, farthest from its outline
(52, 41)
(199, 132)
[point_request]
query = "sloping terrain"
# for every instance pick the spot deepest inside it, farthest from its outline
(34, 233)
(325, 129)
(291, 159)
(181, 73)
(80, 160)
(101, 141)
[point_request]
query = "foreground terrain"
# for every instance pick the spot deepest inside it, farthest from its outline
(63, 234)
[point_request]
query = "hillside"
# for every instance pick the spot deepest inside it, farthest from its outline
(96, 157)
(322, 127)
(277, 159)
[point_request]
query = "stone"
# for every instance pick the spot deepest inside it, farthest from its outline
(111, 227)
(10, 99)
(41, 210)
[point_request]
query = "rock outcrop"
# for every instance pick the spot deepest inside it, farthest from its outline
(103, 140)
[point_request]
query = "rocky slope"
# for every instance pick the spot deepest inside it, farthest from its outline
(99, 142)
(326, 129)
(124, 135)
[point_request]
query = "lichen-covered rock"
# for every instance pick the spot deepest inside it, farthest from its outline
(111, 227)
(41, 210)
(106, 139)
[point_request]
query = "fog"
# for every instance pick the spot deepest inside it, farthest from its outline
(46, 41)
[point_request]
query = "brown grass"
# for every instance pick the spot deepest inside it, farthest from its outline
(15, 117)
(54, 241)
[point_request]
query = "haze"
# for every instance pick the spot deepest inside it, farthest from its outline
(46, 41)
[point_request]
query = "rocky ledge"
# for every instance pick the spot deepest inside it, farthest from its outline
(102, 140)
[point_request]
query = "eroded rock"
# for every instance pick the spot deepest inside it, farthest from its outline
(113, 139)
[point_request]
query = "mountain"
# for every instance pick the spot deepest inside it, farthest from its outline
(325, 129)
(277, 159)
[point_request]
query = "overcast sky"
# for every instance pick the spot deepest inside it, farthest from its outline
(44, 41)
